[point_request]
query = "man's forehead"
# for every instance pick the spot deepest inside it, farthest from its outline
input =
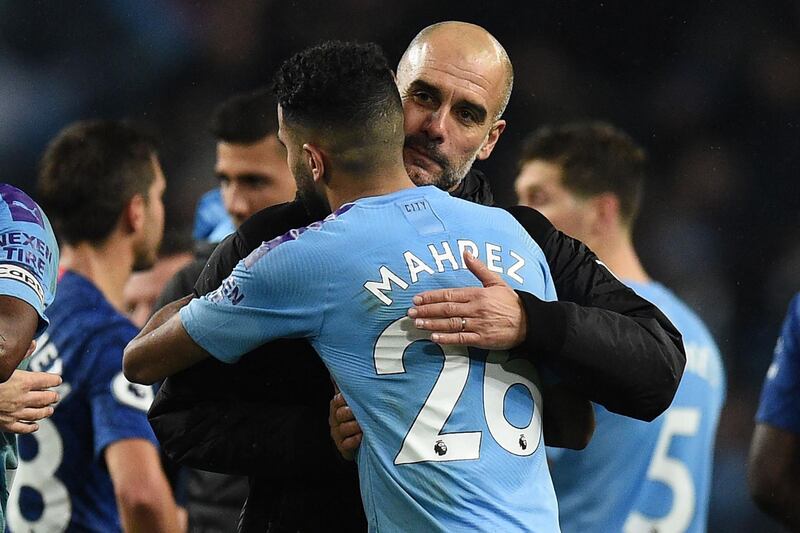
(451, 68)
(539, 173)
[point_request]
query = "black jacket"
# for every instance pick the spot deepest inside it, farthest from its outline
(268, 415)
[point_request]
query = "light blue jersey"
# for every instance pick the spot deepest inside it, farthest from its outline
(452, 440)
(28, 271)
(638, 477)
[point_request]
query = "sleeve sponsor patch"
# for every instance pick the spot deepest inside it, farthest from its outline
(16, 272)
(132, 394)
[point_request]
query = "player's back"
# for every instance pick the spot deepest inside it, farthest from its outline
(640, 477)
(63, 483)
(452, 440)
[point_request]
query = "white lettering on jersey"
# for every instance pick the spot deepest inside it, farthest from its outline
(698, 362)
(45, 358)
(443, 257)
(131, 394)
(387, 278)
(512, 272)
(415, 266)
(464, 245)
(447, 255)
(492, 259)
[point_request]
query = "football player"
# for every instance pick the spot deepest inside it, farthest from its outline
(95, 465)
(28, 271)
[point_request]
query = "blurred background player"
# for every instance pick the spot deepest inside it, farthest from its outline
(251, 168)
(28, 272)
(253, 174)
(143, 287)
(774, 469)
(587, 178)
(95, 465)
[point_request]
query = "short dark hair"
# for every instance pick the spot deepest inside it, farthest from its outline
(90, 172)
(245, 118)
(594, 157)
(346, 86)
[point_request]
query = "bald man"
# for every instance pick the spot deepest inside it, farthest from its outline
(455, 80)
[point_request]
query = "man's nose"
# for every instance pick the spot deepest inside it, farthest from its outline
(235, 202)
(435, 126)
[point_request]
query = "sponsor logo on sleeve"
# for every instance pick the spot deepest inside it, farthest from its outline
(132, 394)
(10, 271)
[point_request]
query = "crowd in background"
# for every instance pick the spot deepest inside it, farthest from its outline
(711, 89)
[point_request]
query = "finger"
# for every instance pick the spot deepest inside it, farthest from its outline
(482, 272)
(20, 428)
(465, 338)
(344, 414)
(442, 310)
(42, 380)
(338, 401)
(39, 398)
(462, 295)
(31, 414)
(351, 444)
(441, 325)
(349, 429)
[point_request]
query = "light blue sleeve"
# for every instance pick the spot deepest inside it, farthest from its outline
(276, 292)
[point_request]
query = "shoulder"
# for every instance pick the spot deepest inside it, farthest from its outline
(535, 223)
(272, 222)
(303, 245)
(685, 319)
(86, 313)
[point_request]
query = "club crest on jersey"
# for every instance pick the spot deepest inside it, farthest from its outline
(440, 447)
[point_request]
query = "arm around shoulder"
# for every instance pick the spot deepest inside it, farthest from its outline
(610, 343)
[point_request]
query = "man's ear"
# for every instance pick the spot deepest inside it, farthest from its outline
(315, 161)
(607, 211)
(133, 216)
(491, 139)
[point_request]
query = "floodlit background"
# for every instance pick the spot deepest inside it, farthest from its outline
(710, 88)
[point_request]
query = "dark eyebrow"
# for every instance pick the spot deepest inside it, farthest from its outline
(479, 110)
(427, 87)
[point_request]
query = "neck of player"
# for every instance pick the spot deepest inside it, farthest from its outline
(619, 255)
(108, 266)
(343, 188)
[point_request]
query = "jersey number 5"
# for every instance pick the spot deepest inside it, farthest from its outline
(425, 440)
(683, 422)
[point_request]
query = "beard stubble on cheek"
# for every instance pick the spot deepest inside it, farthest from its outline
(449, 174)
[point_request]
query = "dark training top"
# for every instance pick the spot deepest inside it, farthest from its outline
(267, 416)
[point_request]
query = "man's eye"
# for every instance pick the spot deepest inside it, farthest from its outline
(422, 97)
(466, 115)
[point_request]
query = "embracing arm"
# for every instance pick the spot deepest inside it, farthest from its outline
(162, 348)
(616, 347)
(600, 338)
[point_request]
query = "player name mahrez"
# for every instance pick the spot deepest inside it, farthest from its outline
(440, 257)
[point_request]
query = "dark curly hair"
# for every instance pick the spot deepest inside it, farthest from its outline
(340, 85)
(89, 173)
(594, 157)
